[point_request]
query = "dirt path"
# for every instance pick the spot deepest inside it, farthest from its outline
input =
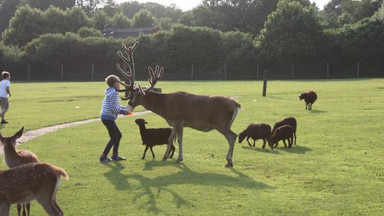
(39, 132)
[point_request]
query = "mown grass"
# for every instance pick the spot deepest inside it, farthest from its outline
(337, 167)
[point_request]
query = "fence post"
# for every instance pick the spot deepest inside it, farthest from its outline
(327, 70)
(62, 72)
(358, 69)
(93, 71)
(29, 72)
(192, 72)
(293, 70)
(265, 83)
(225, 71)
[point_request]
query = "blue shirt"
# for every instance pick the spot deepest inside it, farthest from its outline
(111, 106)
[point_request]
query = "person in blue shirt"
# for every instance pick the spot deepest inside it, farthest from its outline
(109, 112)
(5, 93)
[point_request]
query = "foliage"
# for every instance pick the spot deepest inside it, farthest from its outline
(143, 18)
(101, 19)
(45, 4)
(89, 32)
(292, 33)
(121, 21)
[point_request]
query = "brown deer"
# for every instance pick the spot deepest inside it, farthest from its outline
(14, 158)
(25, 183)
(179, 109)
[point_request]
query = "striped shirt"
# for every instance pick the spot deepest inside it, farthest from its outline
(111, 107)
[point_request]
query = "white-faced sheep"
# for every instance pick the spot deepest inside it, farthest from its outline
(287, 121)
(284, 132)
(256, 131)
(154, 136)
(309, 97)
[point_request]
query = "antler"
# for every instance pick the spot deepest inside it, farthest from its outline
(128, 62)
(154, 76)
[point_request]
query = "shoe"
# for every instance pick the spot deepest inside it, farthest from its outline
(105, 159)
(118, 158)
(4, 122)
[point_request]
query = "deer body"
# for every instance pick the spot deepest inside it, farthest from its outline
(25, 183)
(14, 158)
(179, 109)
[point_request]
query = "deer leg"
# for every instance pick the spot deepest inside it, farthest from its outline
(19, 208)
(47, 198)
(180, 141)
(4, 208)
(28, 205)
(231, 138)
(24, 209)
(145, 152)
(153, 154)
(170, 141)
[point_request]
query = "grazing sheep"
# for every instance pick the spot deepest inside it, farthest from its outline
(256, 131)
(309, 97)
(154, 136)
(284, 132)
(287, 121)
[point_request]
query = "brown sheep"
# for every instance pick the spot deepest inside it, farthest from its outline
(287, 121)
(256, 131)
(309, 97)
(284, 132)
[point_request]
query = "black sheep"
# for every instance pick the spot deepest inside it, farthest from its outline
(154, 136)
(284, 132)
(256, 131)
(309, 97)
(287, 121)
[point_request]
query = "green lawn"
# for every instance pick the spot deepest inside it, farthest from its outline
(337, 167)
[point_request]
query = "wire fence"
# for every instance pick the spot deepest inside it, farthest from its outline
(226, 71)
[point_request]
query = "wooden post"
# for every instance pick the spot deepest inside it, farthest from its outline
(192, 72)
(93, 71)
(327, 70)
(358, 69)
(62, 72)
(293, 70)
(265, 83)
(225, 71)
(29, 72)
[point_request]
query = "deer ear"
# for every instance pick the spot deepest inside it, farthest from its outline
(19, 133)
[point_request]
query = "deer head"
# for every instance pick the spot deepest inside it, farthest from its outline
(11, 140)
(134, 92)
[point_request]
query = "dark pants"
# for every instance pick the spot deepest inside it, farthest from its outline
(114, 134)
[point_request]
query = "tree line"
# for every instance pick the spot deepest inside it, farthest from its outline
(278, 35)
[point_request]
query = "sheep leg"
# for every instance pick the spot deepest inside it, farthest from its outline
(180, 141)
(264, 141)
(290, 141)
(145, 152)
(153, 154)
(172, 151)
(170, 140)
(306, 105)
(310, 107)
(249, 142)
(285, 144)
(254, 141)
(295, 138)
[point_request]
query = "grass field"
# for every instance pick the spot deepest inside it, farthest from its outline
(337, 167)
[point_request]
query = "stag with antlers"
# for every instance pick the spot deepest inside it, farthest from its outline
(179, 109)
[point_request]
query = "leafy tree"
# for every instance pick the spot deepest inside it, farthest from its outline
(89, 32)
(26, 24)
(292, 33)
(7, 10)
(45, 4)
(144, 18)
(76, 18)
(55, 20)
(157, 10)
(121, 21)
(111, 8)
(89, 5)
(101, 19)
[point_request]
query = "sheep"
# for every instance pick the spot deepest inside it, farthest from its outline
(284, 132)
(287, 121)
(256, 131)
(154, 136)
(309, 97)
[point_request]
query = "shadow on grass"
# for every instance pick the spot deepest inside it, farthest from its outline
(265, 150)
(185, 176)
(295, 149)
(317, 111)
